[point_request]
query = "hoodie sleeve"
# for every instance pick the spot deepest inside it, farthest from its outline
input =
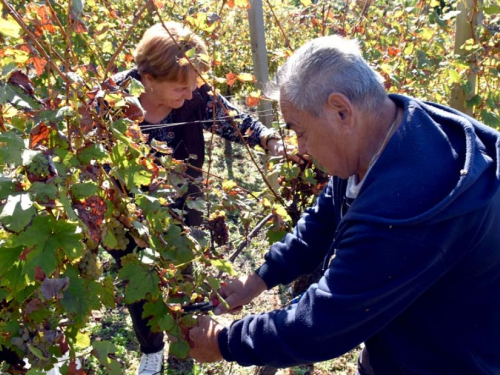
(301, 251)
(374, 276)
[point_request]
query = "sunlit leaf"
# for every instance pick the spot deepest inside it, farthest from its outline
(16, 213)
(223, 265)
(9, 27)
(103, 350)
(141, 281)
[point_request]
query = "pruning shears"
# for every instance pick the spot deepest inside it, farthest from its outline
(200, 307)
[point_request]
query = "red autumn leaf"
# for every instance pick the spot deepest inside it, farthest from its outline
(25, 253)
(315, 22)
(231, 78)
(109, 84)
(39, 64)
(42, 22)
(39, 274)
(39, 135)
(133, 111)
(393, 51)
(21, 80)
(230, 4)
(32, 306)
(79, 26)
(134, 132)
(74, 370)
(252, 101)
(63, 345)
(91, 212)
(86, 121)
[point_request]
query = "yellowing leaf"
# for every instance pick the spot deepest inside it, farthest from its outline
(454, 77)
(9, 27)
(82, 340)
(228, 184)
(246, 77)
(306, 3)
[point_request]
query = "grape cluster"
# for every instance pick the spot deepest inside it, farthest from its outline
(218, 227)
(90, 266)
(37, 341)
(115, 226)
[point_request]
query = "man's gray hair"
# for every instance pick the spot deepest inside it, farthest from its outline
(325, 65)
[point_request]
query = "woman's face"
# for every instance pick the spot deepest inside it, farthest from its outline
(169, 93)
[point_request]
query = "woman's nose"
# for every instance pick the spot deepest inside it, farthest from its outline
(188, 95)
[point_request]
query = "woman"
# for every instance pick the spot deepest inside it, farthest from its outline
(172, 96)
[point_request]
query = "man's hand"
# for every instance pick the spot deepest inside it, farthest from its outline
(203, 336)
(239, 292)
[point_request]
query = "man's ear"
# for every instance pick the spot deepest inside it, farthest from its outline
(341, 106)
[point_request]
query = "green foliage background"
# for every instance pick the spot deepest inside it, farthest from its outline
(71, 171)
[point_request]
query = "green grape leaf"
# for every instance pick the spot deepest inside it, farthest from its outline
(161, 320)
(274, 235)
(84, 190)
(7, 186)
(17, 212)
(94, 151)
(9, 256)
(14, 279)
(135, 176)
(180, 348)
(492, 9)
(76, 298)
(196, 204)
(223, 265)
(107, 292)
(109, 239)
(43, 192)
(11, 149)
(180, 246)
(102, 350)
(136, 88)
(45, 236)
(141, 281)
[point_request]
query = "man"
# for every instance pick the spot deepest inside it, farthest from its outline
(408, 231)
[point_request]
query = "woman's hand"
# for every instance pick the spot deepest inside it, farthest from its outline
(239, 292)
(277, 147)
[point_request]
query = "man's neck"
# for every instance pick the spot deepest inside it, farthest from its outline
(379, 130)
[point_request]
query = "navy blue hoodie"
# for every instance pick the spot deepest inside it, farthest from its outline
(412, 269)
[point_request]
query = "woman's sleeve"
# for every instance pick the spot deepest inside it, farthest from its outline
(227, 116)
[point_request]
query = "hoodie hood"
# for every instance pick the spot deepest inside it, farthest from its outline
(438, 158)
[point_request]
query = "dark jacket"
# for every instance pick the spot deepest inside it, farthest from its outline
(196, 115)
(412, 268)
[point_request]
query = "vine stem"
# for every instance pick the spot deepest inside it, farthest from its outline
(34, 40)
(66, 36)
(216, 97)
(287, 41)
(137, 17)
(251, 235)
(247, 240)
